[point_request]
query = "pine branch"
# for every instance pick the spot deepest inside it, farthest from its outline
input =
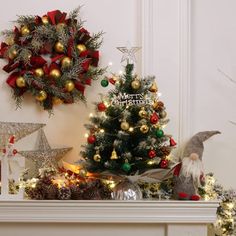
(95, 41)
(8, 33)
(25, 20)
(75, 13)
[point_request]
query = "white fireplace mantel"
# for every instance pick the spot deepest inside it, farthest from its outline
(184, 212)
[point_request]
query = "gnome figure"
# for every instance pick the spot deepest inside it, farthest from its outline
(189, 174)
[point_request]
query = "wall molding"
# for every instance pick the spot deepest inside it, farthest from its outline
(147, 36)
(148, 9)
(184, 70)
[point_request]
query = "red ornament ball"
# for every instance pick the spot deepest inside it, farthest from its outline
(154, 118)
(14, 151)
(101, 106)
(152, 154)
(164, 163)
(91, 139)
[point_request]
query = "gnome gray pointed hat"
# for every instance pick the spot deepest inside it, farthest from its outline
(195, 144)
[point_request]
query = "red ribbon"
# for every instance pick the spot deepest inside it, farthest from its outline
(37, 61)
(56, 17)
(11, 66)
(79, 86)
(3, 49)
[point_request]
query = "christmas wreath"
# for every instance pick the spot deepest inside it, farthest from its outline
(52, 57)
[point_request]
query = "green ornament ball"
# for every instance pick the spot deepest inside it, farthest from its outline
(159, 133)
(126, 167)
(104, 83)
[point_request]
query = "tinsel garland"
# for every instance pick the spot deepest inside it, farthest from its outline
(52, 57)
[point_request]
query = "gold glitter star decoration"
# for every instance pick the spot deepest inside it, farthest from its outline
(19, 130)
(128, 53)
(44, 156)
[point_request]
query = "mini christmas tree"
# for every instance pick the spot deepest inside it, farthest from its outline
(126, 135)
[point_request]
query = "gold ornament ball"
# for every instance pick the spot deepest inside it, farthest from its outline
(12, 53)
(60, 26)
(42, 95)
(81, 47)
(144, 129)
(24, 30)
(56, 101)
(135, 84)
(142, 113)
(69, 85)
(97, 157)
(10, 41)
(124, 125)
(66, 62)
(59, 47)
(39, 72)
(45, 20)
(20, 82)
(163, 114)
(55, 74)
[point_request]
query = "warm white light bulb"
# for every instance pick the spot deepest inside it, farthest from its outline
(121, 72)
(102, 130)
(110, 63)
(91, 115)
(131, 129)
(86, 135)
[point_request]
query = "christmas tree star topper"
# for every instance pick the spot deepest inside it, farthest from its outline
(128, 53)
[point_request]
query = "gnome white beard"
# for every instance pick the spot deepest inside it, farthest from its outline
(192, 167)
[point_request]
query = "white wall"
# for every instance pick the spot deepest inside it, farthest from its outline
(196, 95)
(118, 19)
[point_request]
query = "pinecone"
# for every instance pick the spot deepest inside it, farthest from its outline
(91, 194)
(64, 193)
(105, 193)
(76, 192)
(34, 193)
(51, 192)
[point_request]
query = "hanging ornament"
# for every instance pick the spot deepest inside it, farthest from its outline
(126, 166)
(55, 74)
(159, 133)
(152, 154)
(66, 62)
(135, 84)
(113, 79)
(164, 163)
(91, 139)
(45, 20)
(39, 72)
(124, 125)
(10, 41)
(154, 118)
(172, 142)
(163, 114)
(114, 155)
(69, 85)
(42, 95)
(101, 106)
(153, 87)
(12, 53)
(24, 30)
(59, 47)
(144, 129)
(97, 157)
(142, 113)
(20, 82)
(81, 47)
(157, 105)
(104, 83)
(56, 101)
